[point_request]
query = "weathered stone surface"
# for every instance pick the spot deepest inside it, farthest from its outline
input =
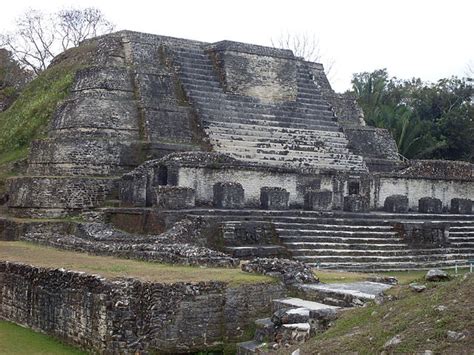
(174, 197)
(228, 195)
(274, 198)
(182, 244)
(421, 234)
(461, 206)
(320, 319)
(430, 205)
(289, 271)
(396, 204)
(318, 200)
(437, 275)
(129, 316)
(455, 336)
(356, 203)
(439, 169)
(389, 280)
(417, 287)
(69, 193)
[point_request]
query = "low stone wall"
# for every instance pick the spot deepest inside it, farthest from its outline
(129, 316)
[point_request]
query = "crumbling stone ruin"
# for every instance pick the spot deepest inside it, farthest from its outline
(159, 129)
(198, 153)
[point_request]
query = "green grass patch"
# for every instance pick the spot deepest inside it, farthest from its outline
(27, 118)
(16, 340)
(112, 267)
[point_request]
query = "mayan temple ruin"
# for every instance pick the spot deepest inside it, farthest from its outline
(184, 152)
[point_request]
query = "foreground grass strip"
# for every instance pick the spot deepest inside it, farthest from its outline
(17, 340)
(111, 267)
(422, 320)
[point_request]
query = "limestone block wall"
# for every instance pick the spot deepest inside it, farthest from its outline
(267, 74)
(202, 179)
(416, 188)
(55, 195)
(83, 157)
(130, 316)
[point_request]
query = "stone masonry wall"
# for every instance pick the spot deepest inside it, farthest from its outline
(415, 189)
(203, 179)
(263, 73)
(55, 193)
(129, 316)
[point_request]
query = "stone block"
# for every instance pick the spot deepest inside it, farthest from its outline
(430, 205)
(228, 195)
(133, 190)
(174, 197)
(396, 204)
(274, 198)
(356, 203)
(318, 200)
(461, 206)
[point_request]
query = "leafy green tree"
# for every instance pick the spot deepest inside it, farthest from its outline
(427, 120)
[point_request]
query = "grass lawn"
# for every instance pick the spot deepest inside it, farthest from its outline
(112, 267)
(403, 277)
(18, 340)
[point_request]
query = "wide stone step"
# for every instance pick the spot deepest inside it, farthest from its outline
(298, 163)
(344, 294)
(339, 233)
(382, 253)
(278, 144)
(259, 120)
(261, 251)
(389, 266)
(291, 154)
(212, 110)
(334, 227)
(381, 259)
(275, 132)
(295, 303)
(336, 239)
(356, 246)
(466, 233)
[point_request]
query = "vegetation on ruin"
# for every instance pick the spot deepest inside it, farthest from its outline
(112, 267)
(16, 340)
(27, 118)
(416, 317)
(427, 120)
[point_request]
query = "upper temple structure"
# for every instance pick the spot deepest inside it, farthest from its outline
(253, 141)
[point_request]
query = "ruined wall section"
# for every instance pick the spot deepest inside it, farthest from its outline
(113, 316)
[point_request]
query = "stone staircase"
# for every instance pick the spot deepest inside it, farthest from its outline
(295, 320)
(348, 241)
(300, 133)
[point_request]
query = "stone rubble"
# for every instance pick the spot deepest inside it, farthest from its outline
(290, 272)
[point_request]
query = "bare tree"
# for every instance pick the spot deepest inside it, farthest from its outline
(76, 25)
(32, 42)
(303, 45)
(39, 37)
(470, 69)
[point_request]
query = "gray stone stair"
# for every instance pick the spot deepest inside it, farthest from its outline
(228, 117)
(357, 242)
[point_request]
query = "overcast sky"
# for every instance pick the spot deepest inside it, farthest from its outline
(415, 38)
